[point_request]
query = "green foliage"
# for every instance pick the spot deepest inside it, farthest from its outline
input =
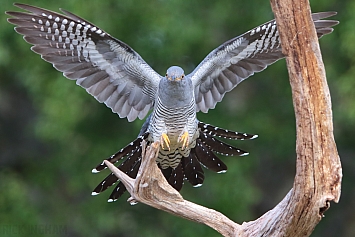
(52, 133)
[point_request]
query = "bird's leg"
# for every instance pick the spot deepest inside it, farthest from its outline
(184, 139)
(164, 140)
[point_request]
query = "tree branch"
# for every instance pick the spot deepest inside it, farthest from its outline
(318, 171)
(150, 187)
(318, 168)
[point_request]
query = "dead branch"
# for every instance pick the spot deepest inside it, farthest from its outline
(318, 171)
(150, 187)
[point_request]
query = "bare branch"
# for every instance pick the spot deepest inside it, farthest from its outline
(150, 187)
(318, 171)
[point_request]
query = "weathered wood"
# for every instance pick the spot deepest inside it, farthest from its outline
(318, 168)
(318, 172)
(150, 187)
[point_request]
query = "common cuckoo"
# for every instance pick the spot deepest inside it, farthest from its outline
(117, 76)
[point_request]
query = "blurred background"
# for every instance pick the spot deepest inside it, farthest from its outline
(52, 133)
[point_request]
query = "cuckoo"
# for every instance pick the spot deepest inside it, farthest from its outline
(117, 76)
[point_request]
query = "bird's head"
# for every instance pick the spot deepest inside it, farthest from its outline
(175, 90)
(175, 73)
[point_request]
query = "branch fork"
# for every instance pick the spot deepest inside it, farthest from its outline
(149, 186)
(318, 169)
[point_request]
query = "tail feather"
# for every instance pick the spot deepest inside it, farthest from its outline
(193, 170)
(120, 188)
(223, 133)
(127, 150)
(127, 167)
(117, 192)
(208, 158)
(110, 180)
(176, 179)
(220, 147)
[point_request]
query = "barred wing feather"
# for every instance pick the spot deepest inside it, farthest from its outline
(237, 59)
(106, 67)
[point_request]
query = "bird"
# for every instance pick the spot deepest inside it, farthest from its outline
(116, 75)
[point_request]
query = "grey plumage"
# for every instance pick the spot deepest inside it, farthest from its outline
(107, 68)
(117, 76)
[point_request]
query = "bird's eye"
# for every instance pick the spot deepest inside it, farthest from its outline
(182, 76)
(166, 75)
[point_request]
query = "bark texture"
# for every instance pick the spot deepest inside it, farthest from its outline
(318, 172)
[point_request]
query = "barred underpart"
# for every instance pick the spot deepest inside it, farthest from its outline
(173, 121)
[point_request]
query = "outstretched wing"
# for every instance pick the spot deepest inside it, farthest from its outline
(106, 67)
(237, 59)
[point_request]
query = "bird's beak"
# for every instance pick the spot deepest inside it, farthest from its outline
(174, 78)
(178, 78)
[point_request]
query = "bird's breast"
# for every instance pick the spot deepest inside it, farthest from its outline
(173, 121)
(175, 94)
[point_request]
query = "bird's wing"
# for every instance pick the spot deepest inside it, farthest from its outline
(237, 59)
(106, 67)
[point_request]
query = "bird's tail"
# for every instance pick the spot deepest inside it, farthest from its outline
(132, 155)
(207, 144)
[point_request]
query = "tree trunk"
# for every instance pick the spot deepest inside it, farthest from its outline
(318, 171)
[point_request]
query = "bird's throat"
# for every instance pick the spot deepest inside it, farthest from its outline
(174, 94)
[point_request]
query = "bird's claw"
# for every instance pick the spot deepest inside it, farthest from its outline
(164, 140)
(184, 139)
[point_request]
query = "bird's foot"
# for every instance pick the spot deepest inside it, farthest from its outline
(184, 139)
(164, 141)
